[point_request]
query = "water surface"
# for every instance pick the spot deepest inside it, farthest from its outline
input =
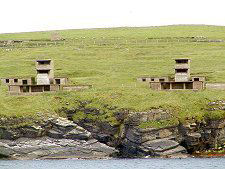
(189, 163)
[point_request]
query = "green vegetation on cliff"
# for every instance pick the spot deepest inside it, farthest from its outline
(110, 60)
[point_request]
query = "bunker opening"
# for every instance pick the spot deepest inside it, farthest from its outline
(165, 86)
(24, 89)
(43, 71)
(181, 70)
(24, 82)
(181, 61)
(177, 85)
(57, 81)
(44, 62)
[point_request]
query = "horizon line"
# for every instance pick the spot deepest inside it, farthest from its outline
(112, 28)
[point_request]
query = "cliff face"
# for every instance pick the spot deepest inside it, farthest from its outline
(55, 138)
(88, 138)
(174, 140)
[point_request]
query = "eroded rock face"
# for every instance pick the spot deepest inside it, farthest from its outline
(50, 148)
(198, 136)
(152, 142)
(169, 141)
(63, 128)
(62, 138)
(58, 138)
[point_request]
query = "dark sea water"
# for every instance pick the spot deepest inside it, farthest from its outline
(189, 163)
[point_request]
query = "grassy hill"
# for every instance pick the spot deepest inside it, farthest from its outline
(110, 60)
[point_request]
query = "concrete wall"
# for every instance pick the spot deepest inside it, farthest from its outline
(54, 88)
(182, 66)
(153, 79)
(216, 86)
(155, 86)
(181, 77)
(14, 89)
(19, 81)
(201, 78)
(63, 80)
(198, 85)
(43, 79)
(140, 79)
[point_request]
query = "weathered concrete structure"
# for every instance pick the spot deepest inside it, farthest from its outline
(17, 81)
(44, 81)
(154, 79)
(182, 70)
(181, 81)
(172, 85)
(45, 72)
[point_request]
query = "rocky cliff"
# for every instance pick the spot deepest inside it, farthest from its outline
(171, 138)
(56, 138)
(171, 141)
(91, 138)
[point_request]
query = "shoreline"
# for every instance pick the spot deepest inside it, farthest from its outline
(60, 138)
(97, 159)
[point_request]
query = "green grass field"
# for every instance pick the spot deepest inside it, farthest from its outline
(111, 60)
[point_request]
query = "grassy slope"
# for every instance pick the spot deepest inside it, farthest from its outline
(112, 68)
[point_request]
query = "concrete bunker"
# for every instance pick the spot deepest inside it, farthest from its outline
(44, 81)
(182, 79)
